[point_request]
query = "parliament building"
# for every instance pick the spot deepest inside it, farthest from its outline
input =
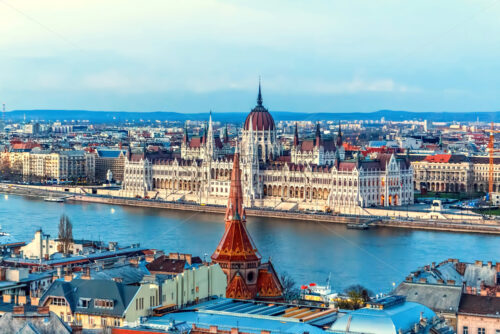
(314, 174)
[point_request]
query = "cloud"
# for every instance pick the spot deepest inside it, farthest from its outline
(359, 85)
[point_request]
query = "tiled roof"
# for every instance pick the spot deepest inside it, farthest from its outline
(438, 158)
(164, 264)
(110, 153)
(483, 305)
(438, 297)
(121, 294)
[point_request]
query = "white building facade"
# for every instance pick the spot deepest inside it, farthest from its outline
(314, 175)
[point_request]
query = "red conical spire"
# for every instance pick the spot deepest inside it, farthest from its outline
(234, 210)
(236, 244)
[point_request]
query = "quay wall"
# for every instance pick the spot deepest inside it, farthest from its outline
(371, 216)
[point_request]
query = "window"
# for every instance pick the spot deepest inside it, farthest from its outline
(84, 302)
(481, 331)
(465, 330)
(59, 301)
(103, 303)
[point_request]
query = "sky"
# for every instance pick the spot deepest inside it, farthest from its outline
(199, 55)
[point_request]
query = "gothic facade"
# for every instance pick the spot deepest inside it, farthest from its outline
(315, 174)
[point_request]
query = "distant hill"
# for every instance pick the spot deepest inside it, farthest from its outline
(238, 117)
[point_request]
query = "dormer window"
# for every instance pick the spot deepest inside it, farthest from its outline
(103, 303)
(84, 302)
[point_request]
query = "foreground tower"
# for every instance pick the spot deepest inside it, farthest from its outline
(247, 277)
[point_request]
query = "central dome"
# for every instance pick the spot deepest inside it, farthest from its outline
(260, 117)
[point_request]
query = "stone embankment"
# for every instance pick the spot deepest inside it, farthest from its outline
(463, 225)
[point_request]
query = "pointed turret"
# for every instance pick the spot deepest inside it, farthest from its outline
(235, 201)
(236, 253)
(318, 135)
(296, 136)
(186, 137)
(339, 137)
(226, 135)
(259, 96)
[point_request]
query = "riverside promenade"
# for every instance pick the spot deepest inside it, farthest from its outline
(464, 225)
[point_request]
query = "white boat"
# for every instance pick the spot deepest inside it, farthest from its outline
(6, 238)
(54, 199)
(319, 293)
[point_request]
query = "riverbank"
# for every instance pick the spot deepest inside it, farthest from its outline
(461, 225)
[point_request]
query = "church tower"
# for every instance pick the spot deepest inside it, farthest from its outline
(247, 276)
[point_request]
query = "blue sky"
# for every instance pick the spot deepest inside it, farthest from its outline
(197, 55)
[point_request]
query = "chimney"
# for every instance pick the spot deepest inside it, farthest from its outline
(213, 329)
(68, 277)
(18, 310)
(498, 267)
(440, 281)
(76, 329)
(118, 279)
(490, 264)
(86, 273)
(450, 282)
(43, 310)
(422, 280)
(478, 263)
(433, 265)
(234, 331)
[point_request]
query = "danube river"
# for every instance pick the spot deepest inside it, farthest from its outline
(308, 251)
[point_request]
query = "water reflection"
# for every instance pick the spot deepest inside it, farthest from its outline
(309, 251)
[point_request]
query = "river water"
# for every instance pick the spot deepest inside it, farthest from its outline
(308, 251)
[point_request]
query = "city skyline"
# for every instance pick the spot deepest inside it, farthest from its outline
(199, 55)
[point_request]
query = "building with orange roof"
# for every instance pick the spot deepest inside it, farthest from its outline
(247, 276)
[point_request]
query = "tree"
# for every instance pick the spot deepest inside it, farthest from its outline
(358, 296)
(290, 290)
(65, 234)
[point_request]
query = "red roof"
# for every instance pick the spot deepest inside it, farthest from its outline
(261, 120)
(438, 158)
(195, 142)
(236, 244)
(24, 146)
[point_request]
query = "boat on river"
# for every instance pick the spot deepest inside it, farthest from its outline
(358, 226)
(54, 199)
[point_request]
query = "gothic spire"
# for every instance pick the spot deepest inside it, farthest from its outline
(226, 135)
(318, 135)
(186, 137)
(339, 136)
(259, 97)
(234, 210)
(296, 136)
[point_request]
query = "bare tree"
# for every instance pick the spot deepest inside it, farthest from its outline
(65, 234)
(290, 290)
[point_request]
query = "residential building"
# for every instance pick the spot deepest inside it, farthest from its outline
(479, 314)
(24, 320)
(101, 303)
(109, 160)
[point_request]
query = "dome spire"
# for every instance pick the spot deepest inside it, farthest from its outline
(259, 97)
